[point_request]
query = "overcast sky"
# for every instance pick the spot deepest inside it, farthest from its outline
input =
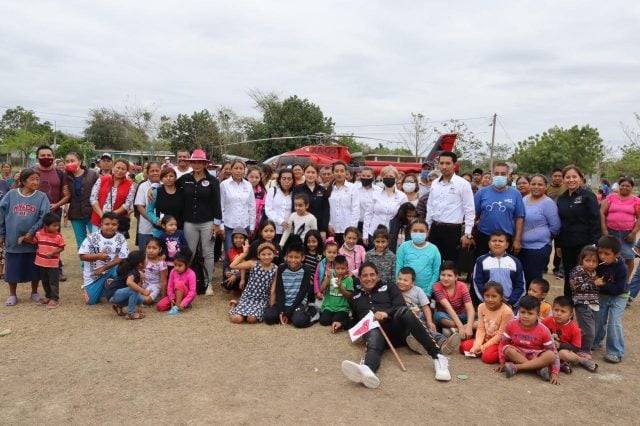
(367, 64)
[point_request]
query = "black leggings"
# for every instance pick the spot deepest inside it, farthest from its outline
(299, 318)
(402, 323)
(328, 318)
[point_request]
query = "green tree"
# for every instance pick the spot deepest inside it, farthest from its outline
(291, 117)
(17, 118)
(24, 142)
(558, 147)
(197, 131)
(381, 149)
(110, 129)
(68, 143)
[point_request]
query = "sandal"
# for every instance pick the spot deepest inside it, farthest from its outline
(11, 301)
(44, 300)
(134, 316)
(565, 367)
(590, 365)
(36, 297)
(118, 310)
(233, 303)
(53, 304)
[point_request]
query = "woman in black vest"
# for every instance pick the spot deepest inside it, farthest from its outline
(81, 181)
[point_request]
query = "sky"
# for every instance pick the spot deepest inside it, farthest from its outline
(367, 64)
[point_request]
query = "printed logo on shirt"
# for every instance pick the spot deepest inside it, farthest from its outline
(578, 200)
(357, 296)
(205, 183)
(383, 288)
(24, 209)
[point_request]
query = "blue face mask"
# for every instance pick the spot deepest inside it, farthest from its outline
(418, 237)
(425, 174)
(499, 181)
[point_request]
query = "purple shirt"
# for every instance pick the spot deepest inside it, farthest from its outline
(541, 220)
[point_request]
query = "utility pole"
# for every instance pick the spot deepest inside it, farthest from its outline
(493, 140)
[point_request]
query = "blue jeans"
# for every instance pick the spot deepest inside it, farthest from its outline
(81, 227)
(534, 261)
(610, 322)
(634, 285)
(440, 315)
(127, 297)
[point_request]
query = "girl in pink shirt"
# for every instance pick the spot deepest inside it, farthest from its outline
(181, 289)
(354, 253)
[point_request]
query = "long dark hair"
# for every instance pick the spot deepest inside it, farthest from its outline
(132, 261)
(401, 215)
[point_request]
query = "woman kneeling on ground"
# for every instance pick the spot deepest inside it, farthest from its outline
(395, 318)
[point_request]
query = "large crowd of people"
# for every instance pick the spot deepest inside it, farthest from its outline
(445, 262)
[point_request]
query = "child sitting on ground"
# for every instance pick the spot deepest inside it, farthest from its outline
(539, 288)
(255, 297)
(418, 302)
(181, 288)
(614, 292)
(527, 345)
(155, 272)
(289, 295)
(455, 309)
(493, 317)
(126, 289)
(567, 336)
(381, 256)
(586, 297)
(50, 244)
(234, 279)
(500, 266)
(100, 252)
(336, 289)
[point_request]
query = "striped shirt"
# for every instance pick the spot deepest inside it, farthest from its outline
(47, 244)
(291, 281)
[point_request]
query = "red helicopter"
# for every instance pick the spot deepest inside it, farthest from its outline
(326, 155)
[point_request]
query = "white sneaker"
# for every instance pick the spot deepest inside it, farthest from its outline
(441, 365)
(209, 291)
(360, 373)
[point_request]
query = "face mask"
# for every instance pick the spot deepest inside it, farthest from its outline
(366, 181)
(425, 175)
(418, 237)
(380, 184)
(408, 187)
(499, 181)
(45, 162)
(389, 182)
(71, 167)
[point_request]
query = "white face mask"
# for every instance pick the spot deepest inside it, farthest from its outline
(409, 187)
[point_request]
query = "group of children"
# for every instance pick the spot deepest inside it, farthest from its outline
(302, 279)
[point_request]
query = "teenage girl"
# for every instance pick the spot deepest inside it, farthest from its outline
(325, 267)
(181, 288)
(126, 289)
(354, 253)
(155, 272)
(259, 191)
(262, 277)
(493, 316)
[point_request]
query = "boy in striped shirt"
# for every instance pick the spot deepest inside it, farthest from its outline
(50, 244)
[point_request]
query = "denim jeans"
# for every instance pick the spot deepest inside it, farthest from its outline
(610, 322)
(127, 297)
(634, 285)
(534, 261)
(196, 233)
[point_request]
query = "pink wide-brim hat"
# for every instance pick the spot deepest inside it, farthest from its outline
(199, 155)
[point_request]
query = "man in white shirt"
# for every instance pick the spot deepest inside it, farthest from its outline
(449, 208)
(183, 166)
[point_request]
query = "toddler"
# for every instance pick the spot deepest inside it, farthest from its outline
(586, 297)
(172, 240)
(181, 288)
(50, 244)
(539, 288)
(155, 272)
(336, 289)
(234, 279)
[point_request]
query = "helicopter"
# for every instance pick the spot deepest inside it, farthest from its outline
(328, 152)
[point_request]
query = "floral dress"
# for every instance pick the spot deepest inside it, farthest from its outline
(255, 296)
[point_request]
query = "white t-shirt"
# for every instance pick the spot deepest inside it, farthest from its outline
(95, 243)
(144, 226)
(152, 273)
(179, 173)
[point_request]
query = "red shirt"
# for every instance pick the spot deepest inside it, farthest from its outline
(457, 300)
(537, 338)
(47, 244)
(568, 333)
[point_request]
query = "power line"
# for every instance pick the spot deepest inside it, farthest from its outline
(408, 124)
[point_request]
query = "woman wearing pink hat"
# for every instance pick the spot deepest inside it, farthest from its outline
(202, 214)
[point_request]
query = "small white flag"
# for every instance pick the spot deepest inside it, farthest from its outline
(365, 324)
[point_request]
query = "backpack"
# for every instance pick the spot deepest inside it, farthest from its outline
(197, 266)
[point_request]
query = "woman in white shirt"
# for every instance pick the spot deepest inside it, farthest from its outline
(410, 188)
(385, 203)
(238, 203)
(278, 204)
(343, 202)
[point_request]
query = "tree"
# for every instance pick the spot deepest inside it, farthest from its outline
(197, 131)
(17, 118)
(383, 150)
(418, 136)
(468, 146)
(110, 129)
(558, 147)
(68, 143)
(24, 142)
(633, 133)
(291, 117)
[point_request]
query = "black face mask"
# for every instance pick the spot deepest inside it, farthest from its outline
(389, 182)
(366, 181)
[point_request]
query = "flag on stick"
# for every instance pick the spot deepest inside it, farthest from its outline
(367, 323)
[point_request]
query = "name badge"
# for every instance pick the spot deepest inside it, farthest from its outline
(205, 183)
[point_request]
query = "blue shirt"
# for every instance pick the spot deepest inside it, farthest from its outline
(540, 223)
(498, 209)
(291, 281)
(425, 261)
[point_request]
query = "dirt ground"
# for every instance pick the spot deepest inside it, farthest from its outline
(83, 364)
